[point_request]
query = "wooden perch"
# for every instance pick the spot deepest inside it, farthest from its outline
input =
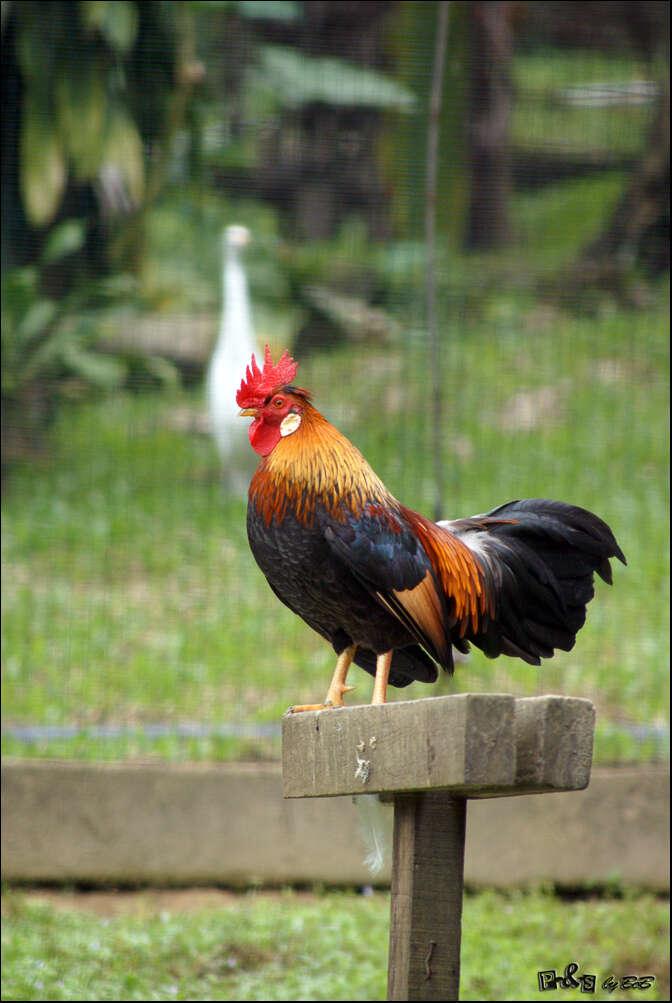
(429, 756)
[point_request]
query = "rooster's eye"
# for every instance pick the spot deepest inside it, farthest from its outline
(278, 402)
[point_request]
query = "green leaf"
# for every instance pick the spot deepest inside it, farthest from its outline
(40, 358)
(42, 167)
(123, 148)
(35, 55)
(162, 370)
(271, 10)
(26, 322)
(297, 78)
(81, 105)
(36, 320)
(120, 286)
(66, 238)
(102, 371)
(117, 22)
(19, 291)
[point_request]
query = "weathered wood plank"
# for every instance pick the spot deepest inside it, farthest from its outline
(474, 744)
(465, 743)
(554, 743)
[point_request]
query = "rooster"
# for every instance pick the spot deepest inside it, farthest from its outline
(389, 589)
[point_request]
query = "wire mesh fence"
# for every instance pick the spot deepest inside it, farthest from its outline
(135, 137)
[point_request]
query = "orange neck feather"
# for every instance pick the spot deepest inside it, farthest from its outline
(316, 463)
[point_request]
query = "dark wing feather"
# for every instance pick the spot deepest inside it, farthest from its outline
(383, 552)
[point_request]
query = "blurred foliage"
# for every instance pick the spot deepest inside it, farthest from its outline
(412, 37)
(50, 345)
(76, 115)
(313, 137)
(293, 78)
(89, 107)
(111, 110)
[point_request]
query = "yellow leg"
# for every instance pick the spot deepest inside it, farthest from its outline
(383, 663)
(337, 687)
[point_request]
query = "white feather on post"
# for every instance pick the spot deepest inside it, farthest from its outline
(375, 832)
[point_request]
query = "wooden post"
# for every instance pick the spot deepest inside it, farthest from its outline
(426, 905)
(430, 756)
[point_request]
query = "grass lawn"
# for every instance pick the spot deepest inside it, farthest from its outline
(288, 946)
(130, 596)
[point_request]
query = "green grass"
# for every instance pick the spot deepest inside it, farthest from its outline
(543, 118)
(130, 595)
(325, 947)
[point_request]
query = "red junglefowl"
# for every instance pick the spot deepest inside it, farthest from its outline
(387, 587)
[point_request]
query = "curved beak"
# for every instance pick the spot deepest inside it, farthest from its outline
(248, 412)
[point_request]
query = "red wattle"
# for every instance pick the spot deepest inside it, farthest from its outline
(263, 437)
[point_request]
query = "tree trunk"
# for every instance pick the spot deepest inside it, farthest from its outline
(638, 231)
(491, 98)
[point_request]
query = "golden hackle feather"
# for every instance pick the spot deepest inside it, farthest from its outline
(315, 463)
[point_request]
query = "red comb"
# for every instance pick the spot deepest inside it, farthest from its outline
(258, 383)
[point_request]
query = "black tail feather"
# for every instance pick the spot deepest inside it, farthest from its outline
(539, 558)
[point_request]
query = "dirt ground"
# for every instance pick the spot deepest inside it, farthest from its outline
(143, 902)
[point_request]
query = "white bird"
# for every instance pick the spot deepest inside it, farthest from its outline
(235, 344)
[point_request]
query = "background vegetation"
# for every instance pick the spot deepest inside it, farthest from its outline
(133, 612)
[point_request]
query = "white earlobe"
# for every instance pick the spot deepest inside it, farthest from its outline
(289, 424)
